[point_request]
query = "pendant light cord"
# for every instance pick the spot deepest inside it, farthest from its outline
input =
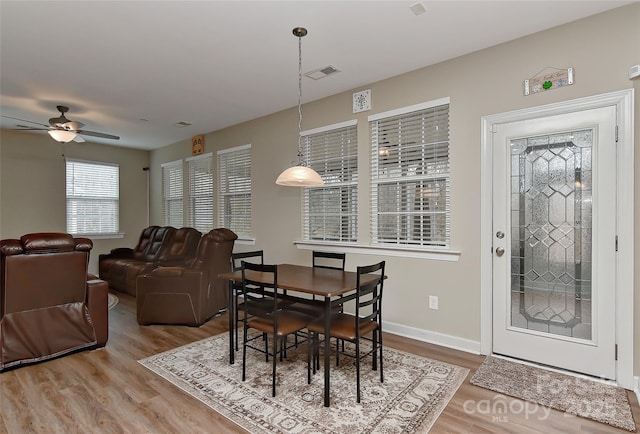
(300, 160)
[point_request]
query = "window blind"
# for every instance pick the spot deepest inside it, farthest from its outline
(331, 211)
(172, 193)
(410, 196)
(234, 206)
(92, 191)
(200, 200)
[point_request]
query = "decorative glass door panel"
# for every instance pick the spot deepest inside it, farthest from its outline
(551, 233)
(554, 256)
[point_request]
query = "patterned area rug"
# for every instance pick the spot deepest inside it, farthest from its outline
(112, 300)
(587, 398)
(414, 392)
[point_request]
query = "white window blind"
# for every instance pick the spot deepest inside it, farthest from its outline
(172, 194)
(234, 206)
(330, 211)
(92, 197)
(200, 201)
(410, 177)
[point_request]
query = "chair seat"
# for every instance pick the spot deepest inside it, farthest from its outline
(343, 326)
(288, 323)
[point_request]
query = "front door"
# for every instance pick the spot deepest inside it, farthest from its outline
(554, 240)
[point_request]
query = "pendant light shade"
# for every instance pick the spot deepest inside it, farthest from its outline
(62, 136)
(300, 175)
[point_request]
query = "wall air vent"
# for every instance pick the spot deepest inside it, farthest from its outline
(317, 74)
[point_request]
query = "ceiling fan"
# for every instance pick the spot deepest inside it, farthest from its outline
(63, 130)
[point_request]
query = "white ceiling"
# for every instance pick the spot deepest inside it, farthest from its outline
(137, 68)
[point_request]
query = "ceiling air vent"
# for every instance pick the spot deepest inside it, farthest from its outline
(317, 74)
(183, 124)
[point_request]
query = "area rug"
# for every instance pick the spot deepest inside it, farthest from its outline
(112, 300)
(578, 396)
(414, 392)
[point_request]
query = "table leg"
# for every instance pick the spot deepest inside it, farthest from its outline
(327, 348)
(231, 310)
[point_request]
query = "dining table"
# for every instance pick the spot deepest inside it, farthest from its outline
(300, 282)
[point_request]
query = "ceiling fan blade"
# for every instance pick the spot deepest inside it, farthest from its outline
(79, 139)
(27, 128)
(95, 134)
(24, 120)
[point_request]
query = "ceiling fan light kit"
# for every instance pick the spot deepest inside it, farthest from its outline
(62, 136)
(300, 175)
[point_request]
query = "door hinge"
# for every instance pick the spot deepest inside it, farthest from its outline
(616, 351)
(616, 243)
(616, 134)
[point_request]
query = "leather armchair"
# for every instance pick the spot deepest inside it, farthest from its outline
(189, 294)
(48, 306)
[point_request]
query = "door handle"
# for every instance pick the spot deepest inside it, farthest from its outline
(499, 251)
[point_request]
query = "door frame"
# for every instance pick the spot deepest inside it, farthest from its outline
(623, 100)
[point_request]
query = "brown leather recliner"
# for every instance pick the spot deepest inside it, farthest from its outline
(189, 294)
(157, 247)
(48, 307)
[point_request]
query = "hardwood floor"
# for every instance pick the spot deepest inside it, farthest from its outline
(107, 391)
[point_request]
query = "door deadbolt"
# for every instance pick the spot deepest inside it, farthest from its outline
(499, 251)
(500, 234)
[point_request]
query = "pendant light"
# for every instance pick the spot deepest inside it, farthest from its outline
(300, 175)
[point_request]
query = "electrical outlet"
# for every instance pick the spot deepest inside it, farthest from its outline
(433, 302)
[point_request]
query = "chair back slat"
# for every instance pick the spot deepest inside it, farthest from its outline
(331, 260)
(237, 258)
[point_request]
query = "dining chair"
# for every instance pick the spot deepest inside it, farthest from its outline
(256, 256)
(366, 321)
(264, 313)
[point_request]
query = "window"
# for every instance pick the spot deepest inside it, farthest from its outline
(200, 201)
(410, 176)
(331, 211)
(234, 207)
(172, 194)
(92, 197)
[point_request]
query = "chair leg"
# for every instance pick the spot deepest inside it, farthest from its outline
(381, 372)
(244, 352)
(374, 351)
(358, 370)
(266, 347)
(273, 373)
(309, 358)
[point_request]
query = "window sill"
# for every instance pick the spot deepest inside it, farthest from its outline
(246, 241)
(100, 236)
(405, 252)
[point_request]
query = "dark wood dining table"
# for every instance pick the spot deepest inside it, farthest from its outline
(328, 284)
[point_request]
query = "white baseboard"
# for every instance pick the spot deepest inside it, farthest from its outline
(448, 341)
(636, 387)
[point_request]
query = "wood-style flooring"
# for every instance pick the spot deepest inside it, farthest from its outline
(108, 391)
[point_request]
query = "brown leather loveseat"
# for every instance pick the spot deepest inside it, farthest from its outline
(192, 293)
(48, 307)
(157, 247)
